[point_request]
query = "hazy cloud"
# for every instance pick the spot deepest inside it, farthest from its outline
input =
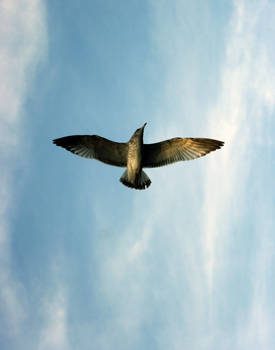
(54, 333)
(238, 118)
(23, 43)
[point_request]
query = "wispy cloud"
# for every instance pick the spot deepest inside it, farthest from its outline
(241, 118)
(238, 119)
(54, 332)
(23, 44)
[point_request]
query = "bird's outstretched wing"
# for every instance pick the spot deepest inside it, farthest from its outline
(177, 149)
(97, 147)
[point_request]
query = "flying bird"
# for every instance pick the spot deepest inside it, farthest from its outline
(134, 155)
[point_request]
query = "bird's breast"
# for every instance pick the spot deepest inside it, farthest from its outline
(134, 159)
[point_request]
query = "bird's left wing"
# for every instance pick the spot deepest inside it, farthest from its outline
(97, 147)
(177, 149)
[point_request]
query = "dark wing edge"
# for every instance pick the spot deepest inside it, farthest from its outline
(95, 147)
(177, 149)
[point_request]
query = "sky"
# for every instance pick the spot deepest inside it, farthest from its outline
(87, 263)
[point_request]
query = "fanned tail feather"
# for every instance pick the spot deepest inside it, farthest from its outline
(141, 182)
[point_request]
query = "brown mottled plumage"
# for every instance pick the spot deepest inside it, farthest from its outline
(134, 155)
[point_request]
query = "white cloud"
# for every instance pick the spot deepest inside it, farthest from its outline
(54, 333)
(258, 331)
(241, 118)
(23, 43)
(247, 85)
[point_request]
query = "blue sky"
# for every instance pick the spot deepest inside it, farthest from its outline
(87, 263)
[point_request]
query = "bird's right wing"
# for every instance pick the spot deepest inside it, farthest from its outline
(177, 149)
(97, 147)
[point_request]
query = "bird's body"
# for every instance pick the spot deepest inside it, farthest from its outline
(133, 176)
(134, 155)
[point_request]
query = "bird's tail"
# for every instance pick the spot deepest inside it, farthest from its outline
(141, 181)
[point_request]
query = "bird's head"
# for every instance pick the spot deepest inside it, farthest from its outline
(138, 134)
(140, 130)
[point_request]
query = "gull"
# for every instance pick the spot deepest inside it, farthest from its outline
(134, 155)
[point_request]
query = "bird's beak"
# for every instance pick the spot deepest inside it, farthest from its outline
(144, 125)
